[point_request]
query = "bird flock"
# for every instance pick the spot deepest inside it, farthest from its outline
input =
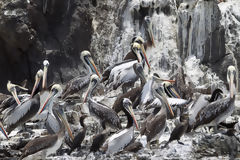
(155, 98)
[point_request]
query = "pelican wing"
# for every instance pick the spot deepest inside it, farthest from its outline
(146, 94)
(119, 141)
(23, 112)
(39, 144)
(75, 85)
(52, 124)
(104, 113)
(123, 73)
(212, 111)
(200, 103)
(176, 101)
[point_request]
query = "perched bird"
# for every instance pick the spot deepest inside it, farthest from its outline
(52, 125)
(49, 144)
(98, 140)
(217, 111)
(123, 73)
(121, 139)
(81, 82)
(155, 127)
(179, 130)
(23, 112)
(77, 141)
(201, 101)
(103, 113)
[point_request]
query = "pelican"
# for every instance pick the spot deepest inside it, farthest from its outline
(200, 103)
(49, 144)
(51, 121)
(43, 94)
(123, 73)
(98, 140)
(217, 111)
(77, 141)
(81, 82)
(15, 116)
(149, 33)
(106, 115)
(155, 126)
(3, 130)
(14, 100)
(120, 140)
(147, 96)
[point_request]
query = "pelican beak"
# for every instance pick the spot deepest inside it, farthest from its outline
(174, 92)
(150, 33)
(88, 90)
(3, 130)
(145, 56)
(231, 85)
(14, 93)
(35, 85)
(66, 124)
(50, 96)
(44, 83)
(93, 66)
(141, 74)
(161, 80)
(166, 102)
(130, 110)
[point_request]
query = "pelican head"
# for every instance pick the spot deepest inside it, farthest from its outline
(138, 68)
(38, 77)
(148, 27)
(170, 90)
(89, 63)
(45, 68)
(138, 39)
(12, 89)
(232, 80)
(3, 130)
(127, 105)
(55, 92)
(94, 81)
(136, 47)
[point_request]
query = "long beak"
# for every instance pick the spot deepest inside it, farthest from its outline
(133, 116)
(66, 124)
(174, 92)
(3, 131)
(46, 102)
(141, 74)
(85, 98)
(94, 66)
(14, 93)
(150, 32)
(44, 82)
(166, 101)
(144, 53)
(35, 86)
(22, 88)
(231, 85)
(161, 80)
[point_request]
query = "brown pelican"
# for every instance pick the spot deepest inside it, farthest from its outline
(15, 116)
(106, 115)
(77, 141)
(49, 144)
(147, 96)
(120, 140)
(43, 93)
(51, 119)
(155, 126)
(123, 73)
(3, 130)
(148, 26)
(81, 82)
(217, 111)
(200, 103)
